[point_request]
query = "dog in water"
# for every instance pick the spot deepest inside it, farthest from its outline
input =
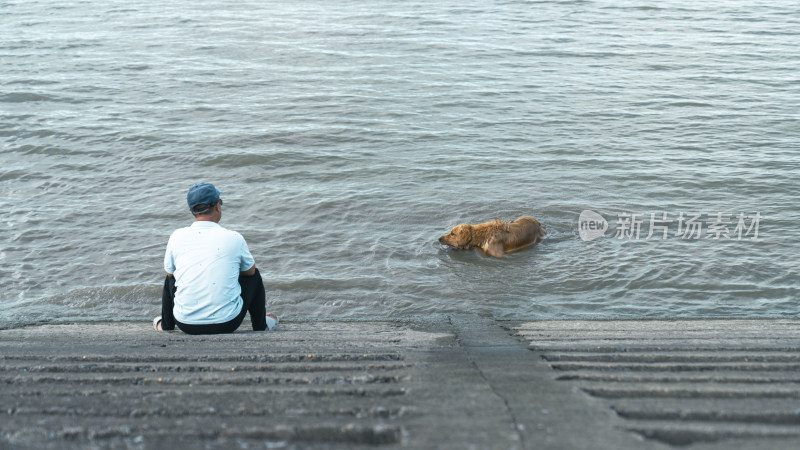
(496, 238)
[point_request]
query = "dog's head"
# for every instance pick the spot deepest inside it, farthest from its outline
(459, 237)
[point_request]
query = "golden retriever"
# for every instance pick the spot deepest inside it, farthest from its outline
(496, 238)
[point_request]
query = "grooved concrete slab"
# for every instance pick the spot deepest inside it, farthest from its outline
(700, 383)
(438, 382)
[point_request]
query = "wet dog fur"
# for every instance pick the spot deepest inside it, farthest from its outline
(496, 238)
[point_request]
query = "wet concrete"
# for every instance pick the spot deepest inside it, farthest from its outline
(435, 382)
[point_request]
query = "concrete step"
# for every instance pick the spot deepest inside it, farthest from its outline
(656, 375)
(674, 433)
(255, 429)
(784, 411)
(685, 382)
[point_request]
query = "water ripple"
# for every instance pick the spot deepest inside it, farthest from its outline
(347, 138)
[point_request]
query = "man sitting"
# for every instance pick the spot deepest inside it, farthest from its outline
(212, 280)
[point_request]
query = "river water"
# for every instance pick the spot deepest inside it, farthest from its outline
(348, 135)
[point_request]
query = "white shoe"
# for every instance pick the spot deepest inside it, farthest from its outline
(272, 322)
(156, 322)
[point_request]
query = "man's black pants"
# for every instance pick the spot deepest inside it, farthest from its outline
(253, 301)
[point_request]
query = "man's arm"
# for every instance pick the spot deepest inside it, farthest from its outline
(249, 272)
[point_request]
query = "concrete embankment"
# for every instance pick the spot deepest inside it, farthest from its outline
(438, 382)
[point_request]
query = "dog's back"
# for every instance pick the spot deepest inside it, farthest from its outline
(521, 233)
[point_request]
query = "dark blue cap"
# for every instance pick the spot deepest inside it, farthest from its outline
(202, 194)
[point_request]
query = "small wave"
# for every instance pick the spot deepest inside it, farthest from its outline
(29, 149)
(280, 159)
(571, 54)
(79, 45)
(23, 97)
(636, 8)
(690, 105)
(136, 67)
(12, 175)
(30, 82)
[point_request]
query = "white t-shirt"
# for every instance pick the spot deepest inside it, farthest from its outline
(206, 259)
